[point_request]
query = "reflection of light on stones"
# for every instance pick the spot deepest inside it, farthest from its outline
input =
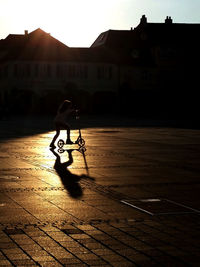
(2, 204)
(9, 177)
(150, 200)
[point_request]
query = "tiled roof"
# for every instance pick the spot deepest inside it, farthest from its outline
(15, 37)
(152, 34)
(37, 45)
(41, 46)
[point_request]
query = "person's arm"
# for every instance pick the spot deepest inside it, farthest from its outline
(59, 108)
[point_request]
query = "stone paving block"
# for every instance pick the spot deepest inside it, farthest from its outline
(50, 263)
(60, 237)
(35, 233)
(26, 262)
(30, 247)
(5, 263)
(23, 241)
(103, 251)
(87, 256)
(78, 250)
(7, 245)
(153, 252)
(127, 252)
(2, 257)
(95, 262)
(123, 264)
(113, 258)
(69, 261)
(62, 254)
(171, 261)
(42, 258)
(37, 253)
(94, 245)
(21, 256)
(45, 241)
(79, 265)
(49, 228)
(67, 245)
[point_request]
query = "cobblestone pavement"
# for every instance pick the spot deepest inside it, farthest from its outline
(131, 199)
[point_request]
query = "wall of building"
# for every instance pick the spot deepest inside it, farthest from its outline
(41, 83)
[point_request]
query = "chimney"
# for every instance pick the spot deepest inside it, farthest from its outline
(25, 32)
(168, 20)
(143, 20)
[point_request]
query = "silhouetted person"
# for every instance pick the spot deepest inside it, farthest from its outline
(65, 110)
(69, 180)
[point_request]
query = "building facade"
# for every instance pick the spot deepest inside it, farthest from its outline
(134, 69)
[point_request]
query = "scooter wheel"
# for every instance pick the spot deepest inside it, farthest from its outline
(82, 149)
(81, 142)
(61, 150)
(60, 143)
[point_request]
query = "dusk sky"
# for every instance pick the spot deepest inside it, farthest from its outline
(77, 23)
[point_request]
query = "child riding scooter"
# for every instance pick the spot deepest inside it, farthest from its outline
(65, 110)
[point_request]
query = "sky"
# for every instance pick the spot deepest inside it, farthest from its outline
(77, 23)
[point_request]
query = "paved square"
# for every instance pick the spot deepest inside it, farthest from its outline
(89, 208)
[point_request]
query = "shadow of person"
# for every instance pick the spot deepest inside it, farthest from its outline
(69, 180)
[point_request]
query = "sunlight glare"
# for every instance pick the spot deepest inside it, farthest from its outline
(73, 22)
(68, 21)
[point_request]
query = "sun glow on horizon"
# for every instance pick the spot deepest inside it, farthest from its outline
(68, 21)
(79, 22)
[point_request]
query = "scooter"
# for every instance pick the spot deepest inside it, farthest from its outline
(81, 149)
(79, 141)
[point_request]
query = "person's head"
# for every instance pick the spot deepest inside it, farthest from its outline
(66, 105)
(75, 190)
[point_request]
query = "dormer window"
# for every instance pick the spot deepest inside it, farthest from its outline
(101, 37)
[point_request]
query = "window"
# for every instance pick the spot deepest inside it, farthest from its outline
(65, 70)
(28, 70)
(59, 71)
(71, 71)
(144, 75)
(104, 72)
(110, 73)
(82, 72)
(36, 70)
(16, 70)
(85, 72)
(6, 71)
(49, 70)
(99, 73)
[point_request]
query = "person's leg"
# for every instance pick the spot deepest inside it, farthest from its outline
(55, 136)
(68, 141)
